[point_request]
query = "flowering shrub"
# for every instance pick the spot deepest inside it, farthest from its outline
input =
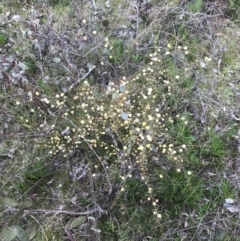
(124, 123)
(107, 109)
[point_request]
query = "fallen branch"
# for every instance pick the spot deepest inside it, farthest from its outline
(52, 211)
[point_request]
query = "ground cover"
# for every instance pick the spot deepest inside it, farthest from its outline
(119, 120)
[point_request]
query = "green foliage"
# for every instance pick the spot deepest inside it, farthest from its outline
(195, 6)
(218, 191)
(227, 59)
(234, 5)
(118, 51)
(233, 9)
(12, 228)
(5, 201)
(178, 189)
(32, 66)
(46, 88)
(3, 39)
(35, 173)
(183, 33)
(136, 192)
(215, 145)
(65, 2)
(109, 228)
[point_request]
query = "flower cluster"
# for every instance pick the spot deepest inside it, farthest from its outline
(125, 123)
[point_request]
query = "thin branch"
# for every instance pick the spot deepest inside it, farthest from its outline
(52, 211)
(79, 80)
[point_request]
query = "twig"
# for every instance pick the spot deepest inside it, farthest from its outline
(79, 80)
(52, 211)
(137, 21)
